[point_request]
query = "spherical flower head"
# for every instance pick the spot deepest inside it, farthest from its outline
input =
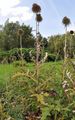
(36, 8)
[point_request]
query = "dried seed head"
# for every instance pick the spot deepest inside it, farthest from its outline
(36, 8)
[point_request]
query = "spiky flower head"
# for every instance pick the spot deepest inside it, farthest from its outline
(36, 8)
(66, 21)
(71, 32)
(38, 18)
(20, 32)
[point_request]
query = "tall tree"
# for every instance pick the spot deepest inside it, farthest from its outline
(11, 38)
(10, 35)
(27, 38)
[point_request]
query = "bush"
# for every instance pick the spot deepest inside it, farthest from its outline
(55, 99)
(4, 115)
(26, 54)
(18, 98)
(51, 57)
(4, 56)
(14, 54)
(19, 63)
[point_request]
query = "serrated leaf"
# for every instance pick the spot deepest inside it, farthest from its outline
(45, 113)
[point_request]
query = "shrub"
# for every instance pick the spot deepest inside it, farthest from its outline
(19, 63)
(4, 115)
(51, 57)
(4, 56)
(18, 97)
(14, 54)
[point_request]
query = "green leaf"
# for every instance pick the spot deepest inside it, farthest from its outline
(45, 113)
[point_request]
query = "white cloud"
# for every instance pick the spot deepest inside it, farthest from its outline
(12, 10)
(13, 19)
(8, 3)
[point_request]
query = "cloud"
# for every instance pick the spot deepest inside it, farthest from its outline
(12, 10)
(8, 3)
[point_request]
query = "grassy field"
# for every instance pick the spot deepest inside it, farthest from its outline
(23, 95)
(7, 70)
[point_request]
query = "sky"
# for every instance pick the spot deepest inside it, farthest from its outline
(52, 12)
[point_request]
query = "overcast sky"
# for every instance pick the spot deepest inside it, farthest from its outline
(52, 12)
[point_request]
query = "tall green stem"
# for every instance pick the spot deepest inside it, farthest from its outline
(65, 47)
(65, 54)
(37, 50)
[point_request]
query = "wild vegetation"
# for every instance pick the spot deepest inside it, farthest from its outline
(37, 75)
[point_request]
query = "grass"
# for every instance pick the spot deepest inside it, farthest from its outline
(18, 93)
(7, 70)
(21, 94)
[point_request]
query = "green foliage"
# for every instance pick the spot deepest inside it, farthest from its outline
(24, 95)
(19, 63)
(15, 54)
(51, 57)
(40, 91)
(9, 38)
(45, 113)
(3, 114)
(3, 56)
(18, 96)
(56, 45)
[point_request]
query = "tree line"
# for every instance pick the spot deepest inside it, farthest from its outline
(10, 39)
(54, 44)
